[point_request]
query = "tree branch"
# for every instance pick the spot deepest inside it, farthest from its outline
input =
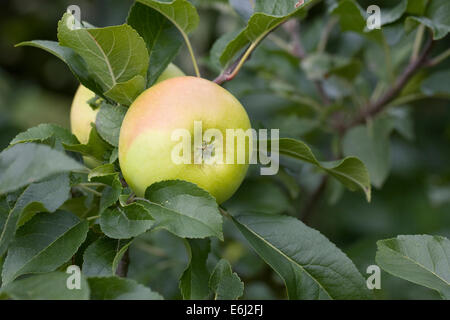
(322, 94)
(374, 108)
(292, 27)
(309, 207)
(122, 268)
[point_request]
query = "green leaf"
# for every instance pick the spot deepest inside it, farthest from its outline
(103, 174)
(372, 145)
(46, 196)
(102, 257)
(417, 7)
(74, 61)
(352, 18)
(351, 171)
(80, 206)
(125, 222)
(219, 47)
(224, 283)
(4, 213)
(106, 174)
(110, 195)
(194, 281)
(44, 244)
(421, 259)
(114, 155)
(2, 260)
(437, 83)
(108, 122)
(180, 12)
(311, 266)
(183, 209)
(261, 195)
(437, 18)
(321, 65)
(126, 92)
(392, 14)
(116, 57)
(273, 8)
(402, 122)
(23, 164)
(114, 288)
(267, 17)
(161, 36)
(43, 132)
(49, 286)
(96, 146)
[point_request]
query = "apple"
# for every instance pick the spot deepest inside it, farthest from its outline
(146, 141)
(82, 115)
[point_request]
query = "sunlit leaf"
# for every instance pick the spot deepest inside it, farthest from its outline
(116, 57)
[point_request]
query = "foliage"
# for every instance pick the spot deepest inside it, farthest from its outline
(337, 91)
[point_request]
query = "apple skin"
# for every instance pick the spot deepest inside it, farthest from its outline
(82, 115)
(145, 142)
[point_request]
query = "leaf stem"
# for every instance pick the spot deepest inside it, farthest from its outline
(82, 171)
(244, 58)
(141, 199)
(325, 35)
(91, 184)
(98, 194)
(191, 52)
(418, 42)
(231, 72)
(438, 59)
(224, 213)
(122, 268)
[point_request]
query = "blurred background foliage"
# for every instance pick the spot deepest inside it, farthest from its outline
(35, 87)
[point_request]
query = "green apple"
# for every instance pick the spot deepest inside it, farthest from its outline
(82, 115)
(146, 141)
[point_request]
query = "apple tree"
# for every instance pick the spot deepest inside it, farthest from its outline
(337, 89)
